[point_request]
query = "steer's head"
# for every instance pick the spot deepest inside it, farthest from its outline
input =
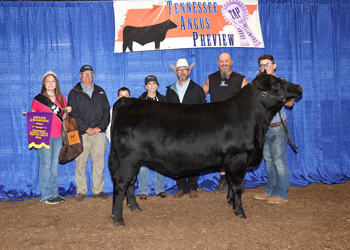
(171, 24)
(276, 88)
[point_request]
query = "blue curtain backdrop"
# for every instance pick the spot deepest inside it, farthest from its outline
(309, 40)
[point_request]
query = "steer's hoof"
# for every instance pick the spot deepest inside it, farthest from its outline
(241, 215)
(120, 223)
(136, 210)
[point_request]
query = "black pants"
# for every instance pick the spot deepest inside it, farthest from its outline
(189, 183)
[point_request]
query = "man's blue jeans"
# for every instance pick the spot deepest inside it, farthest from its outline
(277, 169)
(143, 179)
(48, 170)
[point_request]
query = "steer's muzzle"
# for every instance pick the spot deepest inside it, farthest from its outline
(293, 91)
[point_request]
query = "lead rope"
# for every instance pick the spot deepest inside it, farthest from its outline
(287, 131)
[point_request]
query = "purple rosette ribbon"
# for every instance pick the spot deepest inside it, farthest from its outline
(236, 13)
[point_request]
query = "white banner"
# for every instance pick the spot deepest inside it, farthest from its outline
(159, 24)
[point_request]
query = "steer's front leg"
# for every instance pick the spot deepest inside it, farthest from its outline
(236, 186)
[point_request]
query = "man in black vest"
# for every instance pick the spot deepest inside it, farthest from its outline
(185, 91)
(222, 85)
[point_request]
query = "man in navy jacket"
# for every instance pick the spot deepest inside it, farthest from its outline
(90, 108)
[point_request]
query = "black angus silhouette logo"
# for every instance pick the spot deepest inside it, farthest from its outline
(143, 35)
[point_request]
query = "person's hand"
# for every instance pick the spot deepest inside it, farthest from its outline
(68, 109)
(289, 103)
(90, 131)
(93, 131)
(97, 130)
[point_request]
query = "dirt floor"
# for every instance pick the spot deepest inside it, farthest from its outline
(316, 217)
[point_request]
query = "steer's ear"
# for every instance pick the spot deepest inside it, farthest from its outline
(262, 73)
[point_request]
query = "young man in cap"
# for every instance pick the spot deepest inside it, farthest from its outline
(90, 108)
(222, 85)
(185, 91)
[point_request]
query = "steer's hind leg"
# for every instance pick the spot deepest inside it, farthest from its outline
(123, 180)
(117, 211)
(112, 168)
(230, 197)
(131, 198)
(236, 187)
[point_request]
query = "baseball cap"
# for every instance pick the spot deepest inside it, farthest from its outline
(86, 68)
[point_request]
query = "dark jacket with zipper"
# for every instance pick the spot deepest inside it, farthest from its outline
(160, 97)
(193, 94)
(89, 112)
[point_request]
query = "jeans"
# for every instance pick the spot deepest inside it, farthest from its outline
(277, 169)
(143, 179)
(48, 170)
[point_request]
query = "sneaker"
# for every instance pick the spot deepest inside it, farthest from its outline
(50, 201)
(261, 196)
(101, 195)
(59, 199)
(275, 200)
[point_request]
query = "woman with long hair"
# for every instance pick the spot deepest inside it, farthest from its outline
(48, 169)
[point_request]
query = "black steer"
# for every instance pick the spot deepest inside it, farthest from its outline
(142, 35)
(184, 139)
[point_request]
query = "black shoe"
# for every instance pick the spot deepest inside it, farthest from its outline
(162, 194)
(59, 199)
(50, 201)
(223, 186)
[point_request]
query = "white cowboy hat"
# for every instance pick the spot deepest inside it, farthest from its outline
(181, 63)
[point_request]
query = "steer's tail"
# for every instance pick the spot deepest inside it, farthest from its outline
(113, 156)
(112, 161)
(119, 107)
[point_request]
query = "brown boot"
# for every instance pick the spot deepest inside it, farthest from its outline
(101, 195)
(193, 194)
(80, 197)
(180, 193)
(261, 196)
(275, 200)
